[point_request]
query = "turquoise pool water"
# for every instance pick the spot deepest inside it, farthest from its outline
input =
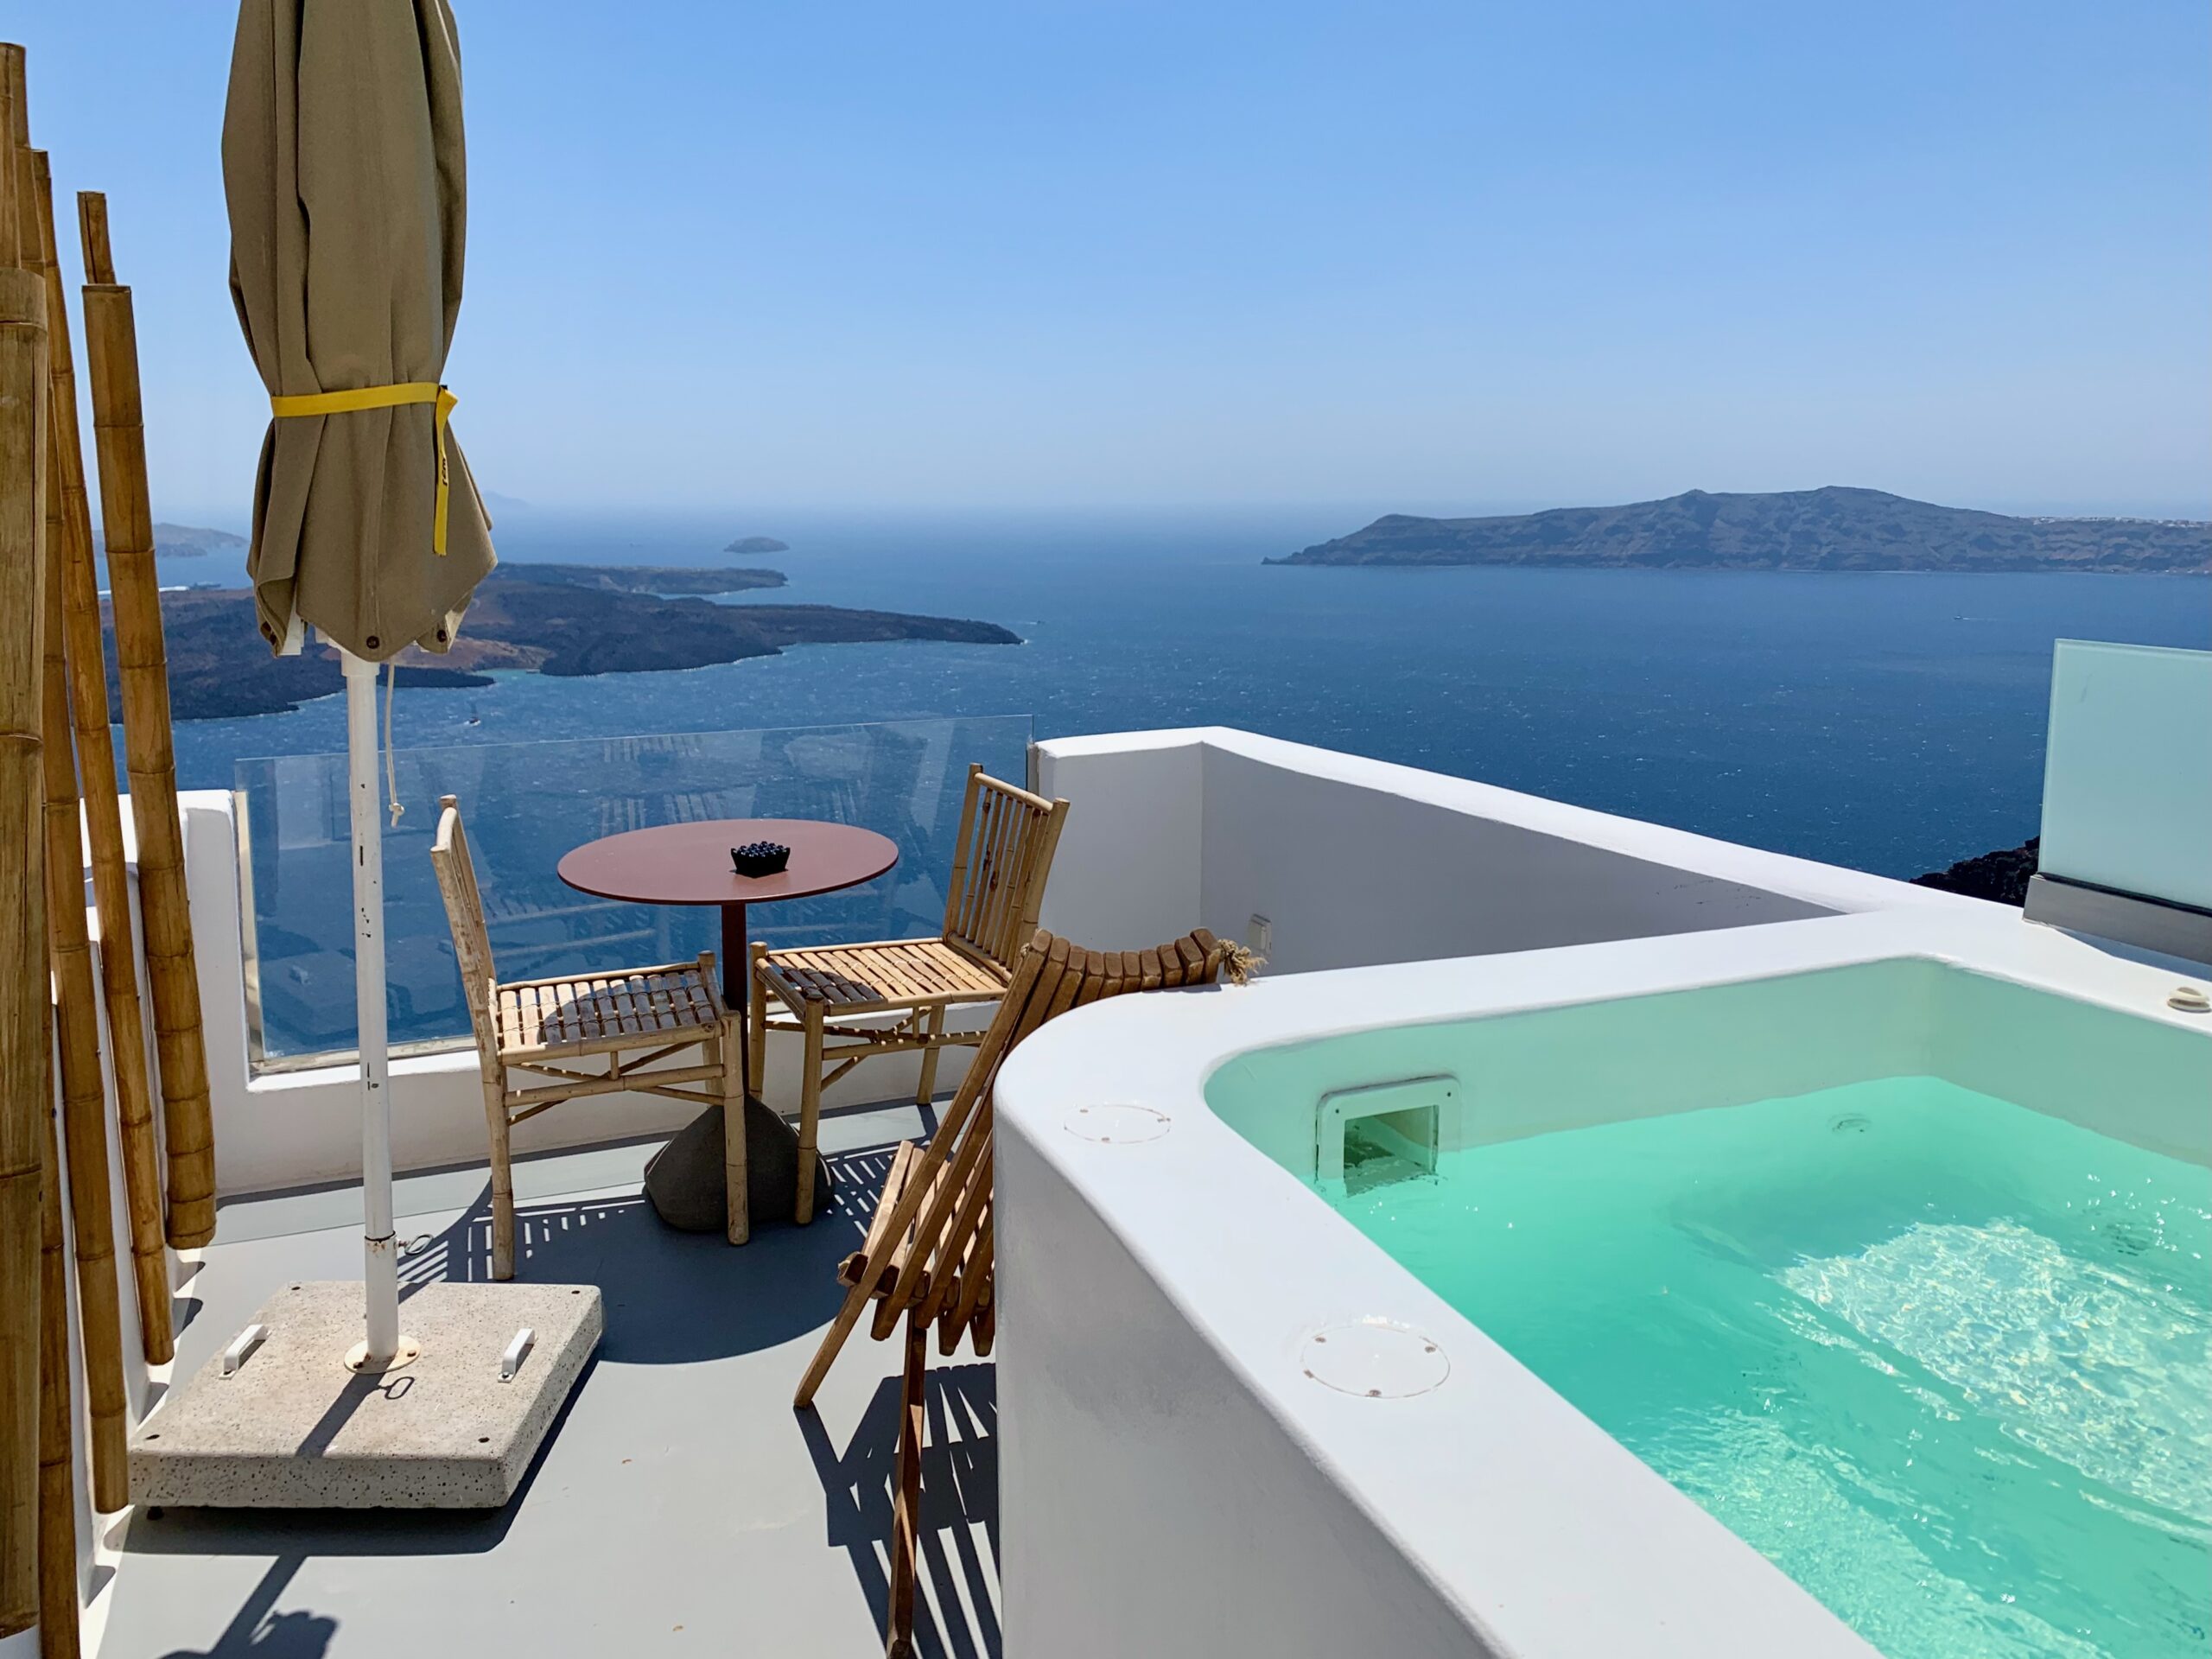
(1946, 1361)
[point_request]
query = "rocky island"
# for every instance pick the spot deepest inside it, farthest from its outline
(543, 618)
(194, 542)
(1830, 529)
(2001, 877)
(758, 544)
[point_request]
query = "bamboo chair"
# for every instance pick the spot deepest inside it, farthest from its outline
(1000, 862)
(553, 1027)
(928, 1257)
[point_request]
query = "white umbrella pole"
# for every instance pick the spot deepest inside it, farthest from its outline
(380, 1263)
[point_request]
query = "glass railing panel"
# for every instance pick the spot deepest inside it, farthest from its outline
(527, 804)
(2127, 778)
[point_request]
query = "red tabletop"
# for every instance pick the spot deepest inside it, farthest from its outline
(688, 863)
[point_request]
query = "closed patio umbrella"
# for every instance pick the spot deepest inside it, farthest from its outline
(344, 169)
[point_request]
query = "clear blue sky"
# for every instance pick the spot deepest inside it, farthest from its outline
(1444, 255)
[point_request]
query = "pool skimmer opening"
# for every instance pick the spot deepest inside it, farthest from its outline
(1373, 1359)
(1116, 1125)
(1402, 1119)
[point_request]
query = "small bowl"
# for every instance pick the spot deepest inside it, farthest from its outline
(762, 858)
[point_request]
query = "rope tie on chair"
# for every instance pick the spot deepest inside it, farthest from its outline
(1240, 964)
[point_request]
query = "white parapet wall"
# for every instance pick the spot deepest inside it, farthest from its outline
(1354, 861)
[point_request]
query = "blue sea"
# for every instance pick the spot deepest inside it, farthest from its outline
(1893, 723)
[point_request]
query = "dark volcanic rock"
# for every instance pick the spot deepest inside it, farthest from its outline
(1831, 528)
(2001, 878)
(221, 668)
(542, 626)
(562, 620)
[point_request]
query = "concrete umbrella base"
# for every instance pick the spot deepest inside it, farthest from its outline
(292, 1428)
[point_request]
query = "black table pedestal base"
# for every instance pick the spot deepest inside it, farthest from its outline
(685, 1182)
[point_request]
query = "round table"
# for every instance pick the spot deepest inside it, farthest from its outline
(690, 864)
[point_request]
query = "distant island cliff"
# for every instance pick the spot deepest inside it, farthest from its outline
(2001, 877)
(546, 618)
(758, 544)
(194, 542)
(1830, 529)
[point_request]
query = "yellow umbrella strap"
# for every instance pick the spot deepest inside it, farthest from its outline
(360, 397)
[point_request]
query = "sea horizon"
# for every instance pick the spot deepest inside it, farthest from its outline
(1891, 722)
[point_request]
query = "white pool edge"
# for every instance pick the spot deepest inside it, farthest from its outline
(1573, 1548)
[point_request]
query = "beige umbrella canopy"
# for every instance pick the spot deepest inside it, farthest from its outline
(343, 163)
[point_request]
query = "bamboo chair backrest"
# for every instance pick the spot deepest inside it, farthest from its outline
(946, 1273)
(471, 943)
(1000, 862)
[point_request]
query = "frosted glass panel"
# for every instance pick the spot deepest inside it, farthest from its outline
(2127, 779)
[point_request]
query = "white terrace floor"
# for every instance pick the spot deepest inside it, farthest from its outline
(680, 1506)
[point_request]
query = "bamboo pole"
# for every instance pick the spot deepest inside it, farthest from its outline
(84, 1091)
(25, 1095)
(57, 1494)
(142, 661)
(87, 664)
(13, 120)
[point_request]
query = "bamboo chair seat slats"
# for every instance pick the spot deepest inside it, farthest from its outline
(662, 1031)
(603, 1013)
(835, 996)
(865, 978)
(928, 1256)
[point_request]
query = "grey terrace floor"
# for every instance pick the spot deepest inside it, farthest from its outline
(680, 1505)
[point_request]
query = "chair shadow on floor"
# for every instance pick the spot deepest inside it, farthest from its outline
(670, 1297)
(957, 1611)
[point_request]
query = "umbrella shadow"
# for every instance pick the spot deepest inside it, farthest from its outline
(258, 1631)
(294, 1537)
(960, 1497)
